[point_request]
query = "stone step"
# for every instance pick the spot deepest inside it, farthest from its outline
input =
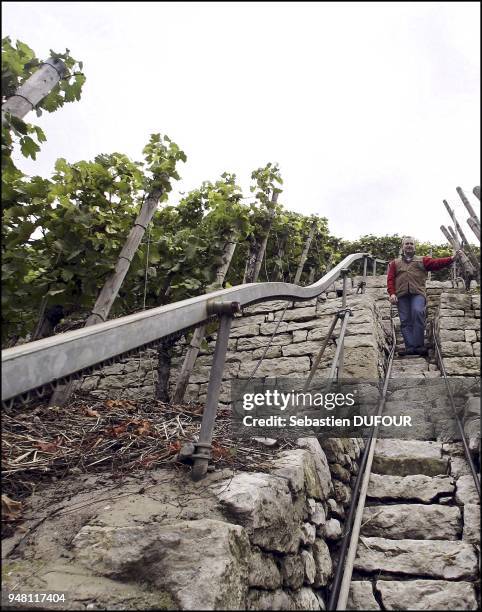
(443, 559)
(426, 595)
(361, 597)
(405, 457)
(426, 391)
(410, 366)
(413, 522)
(416, 487)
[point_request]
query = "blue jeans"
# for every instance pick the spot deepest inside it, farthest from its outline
(411, 309)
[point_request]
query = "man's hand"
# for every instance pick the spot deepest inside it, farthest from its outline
(458, 254)
(393, 299)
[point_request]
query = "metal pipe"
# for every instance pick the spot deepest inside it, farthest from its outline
(339, 345)
(364, 281)
(203, 446)
(317, 359)
(339, 371)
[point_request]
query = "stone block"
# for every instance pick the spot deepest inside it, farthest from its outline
(284, 366)
(455, 301)
(203, 562)
(309, 566)
(457, 349)
(313, 446)
(256, 342)
(462, 323)
(292, 571)
(323, 563)
(301, 348)
(405, 457)
(360, 596)
(245, 331)
(308, 533)
(300, 314)
(332, 529)
(415, 487)
(413, 522)
(471, 531)
(300, 335)
(298, 467)
(89, 383)
(263, 571)
(248, 319)
(426, 595)
(262, 503)
(449, 560)
(462, 366)
(465, 491)
(451, 312)
(470, 335)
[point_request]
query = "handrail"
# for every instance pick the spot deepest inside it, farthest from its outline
(37, 363)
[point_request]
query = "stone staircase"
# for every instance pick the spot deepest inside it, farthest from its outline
(419, 546)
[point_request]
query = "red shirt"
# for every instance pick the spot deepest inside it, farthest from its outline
(430, 264)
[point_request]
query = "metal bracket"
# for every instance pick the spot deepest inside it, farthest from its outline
(218, 307)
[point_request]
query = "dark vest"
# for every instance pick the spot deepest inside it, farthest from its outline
(410, 276)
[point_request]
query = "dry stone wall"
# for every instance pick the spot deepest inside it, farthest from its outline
(234, 541)
(458, 325)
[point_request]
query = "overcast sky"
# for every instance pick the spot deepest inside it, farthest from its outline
(372, 110)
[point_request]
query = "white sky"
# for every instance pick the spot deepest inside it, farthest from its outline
(372, 110)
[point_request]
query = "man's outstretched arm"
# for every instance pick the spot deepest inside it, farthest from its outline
(432, 264)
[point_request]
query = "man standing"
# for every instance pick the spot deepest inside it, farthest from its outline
(406, 279)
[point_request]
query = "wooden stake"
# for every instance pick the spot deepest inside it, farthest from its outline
(109, 291)
(465, 243)
(464, 260)
(200, 331)
(304, 254)
(474, 222)
(258, 248)
(35, 89)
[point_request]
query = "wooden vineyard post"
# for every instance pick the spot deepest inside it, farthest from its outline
(304, 254)
(200, 331)
(463, 240)
(109, 291)
(473, 221)
(34, 89)
(464, 260)
(257, 250)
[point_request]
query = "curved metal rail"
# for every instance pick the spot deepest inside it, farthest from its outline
(38, 363)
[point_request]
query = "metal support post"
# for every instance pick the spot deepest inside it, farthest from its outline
(341, 339)
(344, 274)
(364, 280)
(202, 452)
(317, 359)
